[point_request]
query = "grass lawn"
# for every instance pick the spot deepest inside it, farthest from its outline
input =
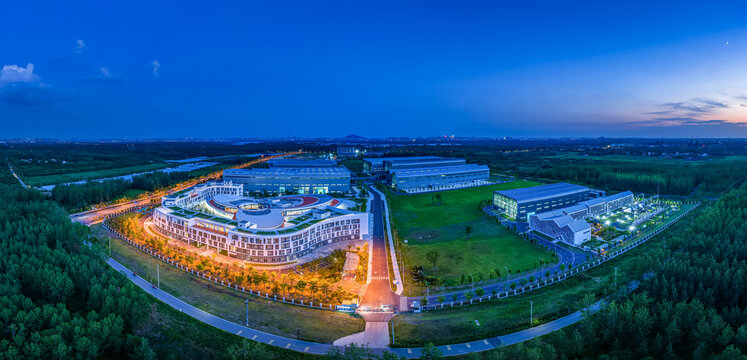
(265, 315)
(511, 314)
(442, 228)
(98, 174)
(171, 332)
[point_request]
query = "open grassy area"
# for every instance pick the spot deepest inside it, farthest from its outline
(443, 229)
(171, 332)
(97, 174)
(265, 315)
(512, 314)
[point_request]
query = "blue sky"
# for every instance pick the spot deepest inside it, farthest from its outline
(245, 69)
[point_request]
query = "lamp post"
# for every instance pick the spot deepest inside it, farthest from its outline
(158, 276)
(531, 308)
(472, 278)
(246, 302)
(508, 272)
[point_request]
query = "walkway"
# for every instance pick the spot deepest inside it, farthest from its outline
(322, 349)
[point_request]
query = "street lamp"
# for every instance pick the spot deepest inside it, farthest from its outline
(246, 302)
(508, 272)
(531, 308)
(473, 281)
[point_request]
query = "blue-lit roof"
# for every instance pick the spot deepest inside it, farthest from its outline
(541, 192)
(439, 170)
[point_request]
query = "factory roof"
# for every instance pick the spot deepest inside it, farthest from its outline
(427, 162)
(302, 163)
(535, 193)
(411, 158)
(439, 170)
(283, 171)
(619, 195)
(592, 202)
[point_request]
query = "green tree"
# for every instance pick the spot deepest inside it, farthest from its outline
(430, 352)
(432, 256)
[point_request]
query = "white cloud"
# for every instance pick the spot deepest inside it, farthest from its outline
(156, 66)
(80, 45)
(106, 73)
(18, 74)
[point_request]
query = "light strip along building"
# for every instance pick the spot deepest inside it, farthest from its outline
(374, 166)
(440, 177)
(520, 203)
(301, 163)
(273, 230)
(569, 223)
(410, 163)
(314, 180)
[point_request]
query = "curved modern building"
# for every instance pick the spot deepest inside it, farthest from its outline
(270, 230)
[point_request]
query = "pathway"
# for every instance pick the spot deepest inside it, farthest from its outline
(322, 349)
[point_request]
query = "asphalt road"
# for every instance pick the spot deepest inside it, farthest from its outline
(322, 349)
(378, 292)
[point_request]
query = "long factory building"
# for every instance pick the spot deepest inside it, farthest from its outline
(426, 173)
(302, 180)
(520, 203)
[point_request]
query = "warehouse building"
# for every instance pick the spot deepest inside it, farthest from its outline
(440, 178)
(302, 180)
(301, 163)
(520, 203)
(373, 166)
(595, 207)
(347, 152)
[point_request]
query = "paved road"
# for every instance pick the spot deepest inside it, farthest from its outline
(321, 349)
(16, 176)
(379, 292)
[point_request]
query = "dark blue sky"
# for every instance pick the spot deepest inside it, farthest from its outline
(521, 68)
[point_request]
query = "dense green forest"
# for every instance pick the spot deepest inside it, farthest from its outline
(59, 300)
(75, 196)
(692, 305)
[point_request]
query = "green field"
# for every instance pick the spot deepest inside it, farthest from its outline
(511, 314)
(442, 228)
(265, 315)
(97, 174)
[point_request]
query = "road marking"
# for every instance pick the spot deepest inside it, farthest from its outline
(239, 333)
(468, 346)
(271, 341)
(486, 342)
(448, 347)
(287, 346)
(254, 337)
(306, 349)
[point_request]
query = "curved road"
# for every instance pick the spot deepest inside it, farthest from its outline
(322, 349)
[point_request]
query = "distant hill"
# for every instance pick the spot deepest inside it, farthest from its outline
(354, 137)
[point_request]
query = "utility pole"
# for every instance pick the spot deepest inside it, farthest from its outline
(615, 276)
(531, 308)
(110, 246)
(246, 302)
(391, 324)
(158, 275)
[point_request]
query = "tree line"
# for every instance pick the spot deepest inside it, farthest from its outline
(77, 196)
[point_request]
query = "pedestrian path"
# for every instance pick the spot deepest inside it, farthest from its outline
(322, 349)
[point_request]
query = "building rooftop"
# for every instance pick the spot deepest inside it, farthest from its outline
(619, 195)
(440, 170)
(592, 202)
(302, 163)
(535, 193)
(289, 171)
(382, 159)
(429, 162)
